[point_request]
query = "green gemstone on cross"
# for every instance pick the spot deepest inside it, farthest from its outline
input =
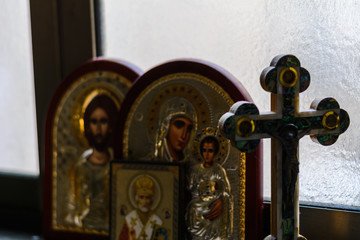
(245, 126)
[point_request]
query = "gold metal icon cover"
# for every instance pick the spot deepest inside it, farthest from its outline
(80, 123)
(198, 94)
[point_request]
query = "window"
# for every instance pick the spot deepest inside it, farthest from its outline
(17, 106)
(243, 37)
(58, 46)
(240, 36)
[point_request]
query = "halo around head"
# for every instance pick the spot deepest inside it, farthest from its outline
(147, 183)
(82, 102)
(177, 98)
(224, 146)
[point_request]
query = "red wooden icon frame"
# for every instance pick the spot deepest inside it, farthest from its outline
(254, 191)
(129, 71)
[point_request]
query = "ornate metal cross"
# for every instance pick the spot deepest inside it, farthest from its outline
(244, 126)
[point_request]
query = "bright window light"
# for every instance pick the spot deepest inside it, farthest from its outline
(18, 138)
(243, 37)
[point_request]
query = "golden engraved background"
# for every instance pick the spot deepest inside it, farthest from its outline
(68, 141)
(210, 101)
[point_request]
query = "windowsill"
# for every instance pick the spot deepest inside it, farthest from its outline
(8, 235)
(315, 223)
(323, 222)
(20, 204)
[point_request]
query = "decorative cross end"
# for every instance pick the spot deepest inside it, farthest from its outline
(285, 79)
